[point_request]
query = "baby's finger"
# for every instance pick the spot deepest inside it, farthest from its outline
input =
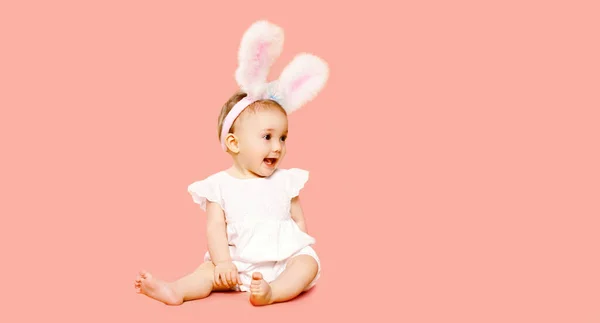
(222, 280)
(238, 278)
(234, 279)
(217, 280)
(229, 281)
(226, 280)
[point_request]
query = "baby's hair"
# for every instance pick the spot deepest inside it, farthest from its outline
(255, 106)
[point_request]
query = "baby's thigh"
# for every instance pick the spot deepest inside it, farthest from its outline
(306, 251)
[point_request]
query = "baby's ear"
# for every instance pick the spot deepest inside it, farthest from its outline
(300, 81)
(261, 45)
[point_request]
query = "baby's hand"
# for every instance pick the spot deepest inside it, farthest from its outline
(226, 275)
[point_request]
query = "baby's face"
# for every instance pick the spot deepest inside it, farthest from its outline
(262, 137)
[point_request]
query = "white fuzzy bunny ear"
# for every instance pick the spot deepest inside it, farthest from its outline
(300, 81)
(261, 45)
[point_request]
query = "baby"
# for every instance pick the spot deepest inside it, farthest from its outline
(256, 231)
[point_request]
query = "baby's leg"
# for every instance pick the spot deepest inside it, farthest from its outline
(196, 285)
(298, 274)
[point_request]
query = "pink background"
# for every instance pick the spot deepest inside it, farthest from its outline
(453, 154)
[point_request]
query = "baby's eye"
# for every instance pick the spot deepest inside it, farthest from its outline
(268, 137)
(283, 138)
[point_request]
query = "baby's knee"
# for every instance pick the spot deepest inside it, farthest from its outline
(206, 266)
(306, 260)
(206, 270)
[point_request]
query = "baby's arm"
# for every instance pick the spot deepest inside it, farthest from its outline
(297, 214)
(226, 273)
(216, 232)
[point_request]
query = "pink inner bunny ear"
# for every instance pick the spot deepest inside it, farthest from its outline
(298, 83)
(261, 45)
(260, 58)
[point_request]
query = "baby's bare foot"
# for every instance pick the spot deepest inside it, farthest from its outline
(260, 291)
(156, 289)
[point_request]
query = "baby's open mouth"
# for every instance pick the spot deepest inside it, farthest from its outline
(270, 161)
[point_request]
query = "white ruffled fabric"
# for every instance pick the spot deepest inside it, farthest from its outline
(257, 211)
(202, 191)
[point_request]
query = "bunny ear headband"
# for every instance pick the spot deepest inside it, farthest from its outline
(300, 81)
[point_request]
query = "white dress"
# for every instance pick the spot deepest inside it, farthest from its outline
(261, 233)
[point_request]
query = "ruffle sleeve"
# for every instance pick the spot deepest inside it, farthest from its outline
(203, 190)
(296, 179)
